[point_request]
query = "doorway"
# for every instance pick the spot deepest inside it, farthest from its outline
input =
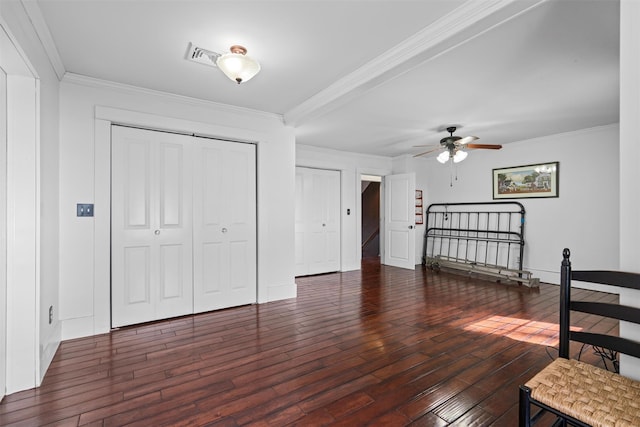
(370, 196)
(391, 223)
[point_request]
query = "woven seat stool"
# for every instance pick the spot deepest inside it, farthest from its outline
(587, 393)
(577, 393)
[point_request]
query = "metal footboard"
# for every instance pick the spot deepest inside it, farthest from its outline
(483, 238)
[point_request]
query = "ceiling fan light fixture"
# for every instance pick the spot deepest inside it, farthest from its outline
(452, 147)
(467, 139)
(237, 65)
(459, 156)
(443, 157)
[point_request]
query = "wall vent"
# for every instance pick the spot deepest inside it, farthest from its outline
(202, 56)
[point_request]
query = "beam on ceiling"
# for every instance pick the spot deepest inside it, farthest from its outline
(461, 25)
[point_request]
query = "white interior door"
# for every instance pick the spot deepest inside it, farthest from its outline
(224, 234)
(151, 226)
(317, 227)
(399, 221)
(3, 233)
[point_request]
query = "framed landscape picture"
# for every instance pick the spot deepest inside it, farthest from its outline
(528, 181)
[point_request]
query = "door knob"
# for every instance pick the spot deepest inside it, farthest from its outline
(224, 230)
(411, 227)
(324, 225)
(157, 232)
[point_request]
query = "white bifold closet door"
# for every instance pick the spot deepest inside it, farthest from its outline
(317, 221)
(183, 232)
(151, 226)
(224, 239)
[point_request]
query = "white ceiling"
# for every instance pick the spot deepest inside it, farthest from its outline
(365, 76)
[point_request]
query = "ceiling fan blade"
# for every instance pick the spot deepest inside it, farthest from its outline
(427, 152)
(484, 146)
(466, 140)
(427, 145)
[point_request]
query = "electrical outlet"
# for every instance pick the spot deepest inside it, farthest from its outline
(50, 314)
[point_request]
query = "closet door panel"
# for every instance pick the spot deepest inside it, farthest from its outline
(171, 185)
(317, 221)
(209, 249)
(331, 228)
(137, 280)
(211, 270)
(301, 215)
(151, 226)
(171, 272)
(238, 273)
(175, 229)
(136, 159)
(241, 194)
(225, 277)
(131, 230)
(210, 172)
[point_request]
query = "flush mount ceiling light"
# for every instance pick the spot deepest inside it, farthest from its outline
(236, 64)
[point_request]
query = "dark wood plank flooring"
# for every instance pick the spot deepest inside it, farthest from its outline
(380, 346)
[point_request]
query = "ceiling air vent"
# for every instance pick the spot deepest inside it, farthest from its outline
(202, 56)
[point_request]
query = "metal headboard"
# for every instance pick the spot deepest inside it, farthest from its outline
(486, 238)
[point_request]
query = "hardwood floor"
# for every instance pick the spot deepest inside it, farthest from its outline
(380, 346)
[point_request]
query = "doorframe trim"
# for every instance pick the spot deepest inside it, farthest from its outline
(25, 360)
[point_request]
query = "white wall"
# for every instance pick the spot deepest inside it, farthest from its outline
(351, 166)
(37, 288)
(585, 216)
(87, 106)
(629, 161)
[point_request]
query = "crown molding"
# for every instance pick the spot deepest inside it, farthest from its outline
(574, 133)
(93, 82)
(44, 35)
(410, 53)
(14, 59)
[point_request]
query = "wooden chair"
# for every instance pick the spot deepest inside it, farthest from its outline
(578, 393)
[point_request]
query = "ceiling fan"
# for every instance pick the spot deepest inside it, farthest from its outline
(453, 145)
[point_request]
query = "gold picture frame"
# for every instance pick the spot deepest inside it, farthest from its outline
(527, 181)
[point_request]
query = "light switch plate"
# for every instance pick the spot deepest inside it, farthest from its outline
(84, 209)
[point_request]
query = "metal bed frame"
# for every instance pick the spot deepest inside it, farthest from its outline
(483, 238)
